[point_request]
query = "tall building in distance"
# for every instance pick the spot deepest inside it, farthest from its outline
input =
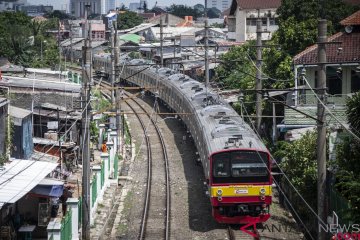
(222, 5)
(96, 7)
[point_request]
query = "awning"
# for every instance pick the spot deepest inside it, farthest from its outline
(49, 187)
(20, 176)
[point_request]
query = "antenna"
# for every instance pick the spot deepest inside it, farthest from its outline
(349, 28)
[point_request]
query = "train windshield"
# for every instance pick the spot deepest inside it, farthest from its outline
(240, 167)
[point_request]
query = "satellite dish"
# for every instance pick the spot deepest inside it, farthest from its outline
(348, 29)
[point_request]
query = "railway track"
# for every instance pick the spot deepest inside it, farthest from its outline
(155, 223)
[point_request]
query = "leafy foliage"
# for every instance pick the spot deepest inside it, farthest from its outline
(213, 13)
(58, 15)
(21, 39)
(128, 19)
(183, 10)
(298, 161)
(347, 160)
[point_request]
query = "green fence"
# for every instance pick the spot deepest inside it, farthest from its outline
(340, 206)
(102, 173)
(116, 166)
(66, 226)
(80, 211)
(94, 190)
(51, 237)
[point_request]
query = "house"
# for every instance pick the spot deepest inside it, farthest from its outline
(243, 15)
(167, 18)
(342, 76)
(22, 133)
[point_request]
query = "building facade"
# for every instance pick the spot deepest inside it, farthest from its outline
(243, 16)
(222, 5)
(96, 7)
(12, 5)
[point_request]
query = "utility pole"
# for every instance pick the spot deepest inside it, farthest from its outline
(206, 38)
(321, 126)
(118, 91)
(71, 45)
(59, 25)
(161, 42)
(86, 76)
(112, 64)
(258, 85)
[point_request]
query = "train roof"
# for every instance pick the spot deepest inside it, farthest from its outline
(225, 129)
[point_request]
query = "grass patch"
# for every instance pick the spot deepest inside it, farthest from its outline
(128, 204)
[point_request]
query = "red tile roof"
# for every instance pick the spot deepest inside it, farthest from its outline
(349, 53)
(353, 19)
(258, 4)
(352, 2)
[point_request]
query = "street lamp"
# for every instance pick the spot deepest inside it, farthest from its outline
(41, 46)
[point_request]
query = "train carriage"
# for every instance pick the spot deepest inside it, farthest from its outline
(236, 163)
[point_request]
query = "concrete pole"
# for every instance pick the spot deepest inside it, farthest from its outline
(112, 65)
(86, 76)
(321, 127)
(161, 42)
(258, 85)
(206, 38)
(71, 45)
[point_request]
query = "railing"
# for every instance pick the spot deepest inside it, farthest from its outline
(94, 190)
(102, 179)
(116, 165)
(51, 237)
(340, 206)
(80, 211)
(66, 228)
(310, 99)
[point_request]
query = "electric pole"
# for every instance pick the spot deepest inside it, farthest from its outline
(112, 64)
(321, 126)
(86, 76)
(71, 45)
(118, 91)
(206, 38)
(258, 85)
(161, 42)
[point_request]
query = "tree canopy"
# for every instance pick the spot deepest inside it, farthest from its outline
(213, 13)
(128, 19)
(183, 10)
(21, 39)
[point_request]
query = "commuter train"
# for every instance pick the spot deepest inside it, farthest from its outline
(236, 163)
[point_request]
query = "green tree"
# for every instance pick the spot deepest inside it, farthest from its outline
(213, 13)
(58, 14)
(347, 164)
(200, 8)
(128, 19)
(298, 161)
(183, 10)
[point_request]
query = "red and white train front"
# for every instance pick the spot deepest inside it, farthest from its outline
(240, 186)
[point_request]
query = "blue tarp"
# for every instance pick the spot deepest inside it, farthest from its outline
(48, 190)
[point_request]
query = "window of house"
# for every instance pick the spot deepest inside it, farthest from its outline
(355, 81)
(251, 21)
(333, 80)
(272, 21)
(264, 21)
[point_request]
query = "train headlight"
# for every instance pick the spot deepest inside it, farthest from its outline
(219, 192)
(262, 191)
(219, 199)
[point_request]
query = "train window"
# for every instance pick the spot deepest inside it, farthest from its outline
(221, 165)
(242, 167)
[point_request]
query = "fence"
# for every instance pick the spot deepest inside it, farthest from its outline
(116, 166)
(94, 190)
(102, 173)
(80, 211)
(340, 206)
(66, 228)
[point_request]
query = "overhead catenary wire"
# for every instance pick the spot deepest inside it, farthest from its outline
(330, 112)
(279, 187)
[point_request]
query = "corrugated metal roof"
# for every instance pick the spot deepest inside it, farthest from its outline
(18, 112)
(20, 176)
